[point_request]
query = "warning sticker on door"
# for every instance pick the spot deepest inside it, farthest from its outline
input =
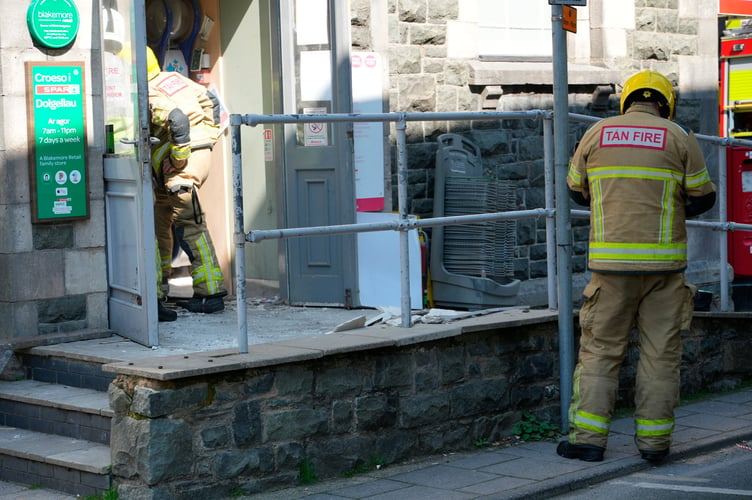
(268, 145)
(315, 134)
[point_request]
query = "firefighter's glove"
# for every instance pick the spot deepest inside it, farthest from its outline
(216, 108)
(180, 126)
(181, 189)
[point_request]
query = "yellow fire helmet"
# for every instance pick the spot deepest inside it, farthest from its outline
(650, 86)
(152, 64)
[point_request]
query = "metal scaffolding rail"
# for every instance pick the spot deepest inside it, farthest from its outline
(404, 223)
(559, 279)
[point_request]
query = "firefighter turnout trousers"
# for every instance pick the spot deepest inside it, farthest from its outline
(662, 304)
(176, 202)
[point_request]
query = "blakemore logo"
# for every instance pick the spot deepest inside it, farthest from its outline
(46, 15)
(634, 137)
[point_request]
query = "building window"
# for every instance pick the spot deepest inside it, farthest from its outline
(514, 30)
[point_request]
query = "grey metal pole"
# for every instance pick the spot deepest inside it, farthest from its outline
(404, 240)
(254, 120)
(563, 224)
(296, 232)
(548, 175)
(237, 184)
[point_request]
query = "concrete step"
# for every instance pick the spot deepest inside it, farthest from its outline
(74, 466)
(55, 416)
(72, 412)
(45, 364)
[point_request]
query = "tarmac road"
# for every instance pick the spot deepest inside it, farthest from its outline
(721, 474)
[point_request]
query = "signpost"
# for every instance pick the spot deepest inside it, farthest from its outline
(563, 223)
(57, 140)
(569, 18)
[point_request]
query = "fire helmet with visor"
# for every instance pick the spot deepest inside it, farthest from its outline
(649, 86)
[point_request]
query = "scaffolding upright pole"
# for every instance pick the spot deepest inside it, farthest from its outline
(548, 169)
(405, 305)
(237, 183)
(563, 224)
(723, 215)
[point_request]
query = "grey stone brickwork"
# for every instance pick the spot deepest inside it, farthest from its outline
(251, 431)
(53, 275)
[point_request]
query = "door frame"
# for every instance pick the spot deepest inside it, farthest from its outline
(339, 251)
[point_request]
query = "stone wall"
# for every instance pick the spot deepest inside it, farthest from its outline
(53, 274)
(253, 430)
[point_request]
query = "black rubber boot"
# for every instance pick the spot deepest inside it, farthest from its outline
(654, 455)
(166, 314)
(586, 452)
(204, 304)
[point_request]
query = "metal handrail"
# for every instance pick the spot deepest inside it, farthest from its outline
(405, 223)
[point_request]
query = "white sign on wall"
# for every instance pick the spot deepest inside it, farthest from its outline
(368, 136)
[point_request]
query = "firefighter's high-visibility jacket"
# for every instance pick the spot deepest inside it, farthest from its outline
(169, 91)
(184, 118)
(638, 172)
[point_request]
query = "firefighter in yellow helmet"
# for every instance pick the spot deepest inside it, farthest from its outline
(641, 175)
(184, 118)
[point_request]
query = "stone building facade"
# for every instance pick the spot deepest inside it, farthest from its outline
(434, 66)
(55, 276)
(52, 276)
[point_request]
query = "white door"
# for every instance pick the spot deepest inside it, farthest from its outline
(131, 252)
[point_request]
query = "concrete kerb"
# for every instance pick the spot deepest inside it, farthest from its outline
(623, 466)
(576, 481)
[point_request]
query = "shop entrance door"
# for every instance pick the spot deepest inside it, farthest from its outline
(131, 253)
(318, 157)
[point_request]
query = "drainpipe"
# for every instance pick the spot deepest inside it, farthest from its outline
(563, 224)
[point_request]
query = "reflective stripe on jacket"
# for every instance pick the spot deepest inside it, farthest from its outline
(637, 171)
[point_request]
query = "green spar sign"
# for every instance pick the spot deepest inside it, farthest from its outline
(55, 103)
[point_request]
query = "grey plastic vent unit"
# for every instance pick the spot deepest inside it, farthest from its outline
(471, 264)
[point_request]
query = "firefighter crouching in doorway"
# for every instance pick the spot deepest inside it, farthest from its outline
(184, 118)
(642, 175)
